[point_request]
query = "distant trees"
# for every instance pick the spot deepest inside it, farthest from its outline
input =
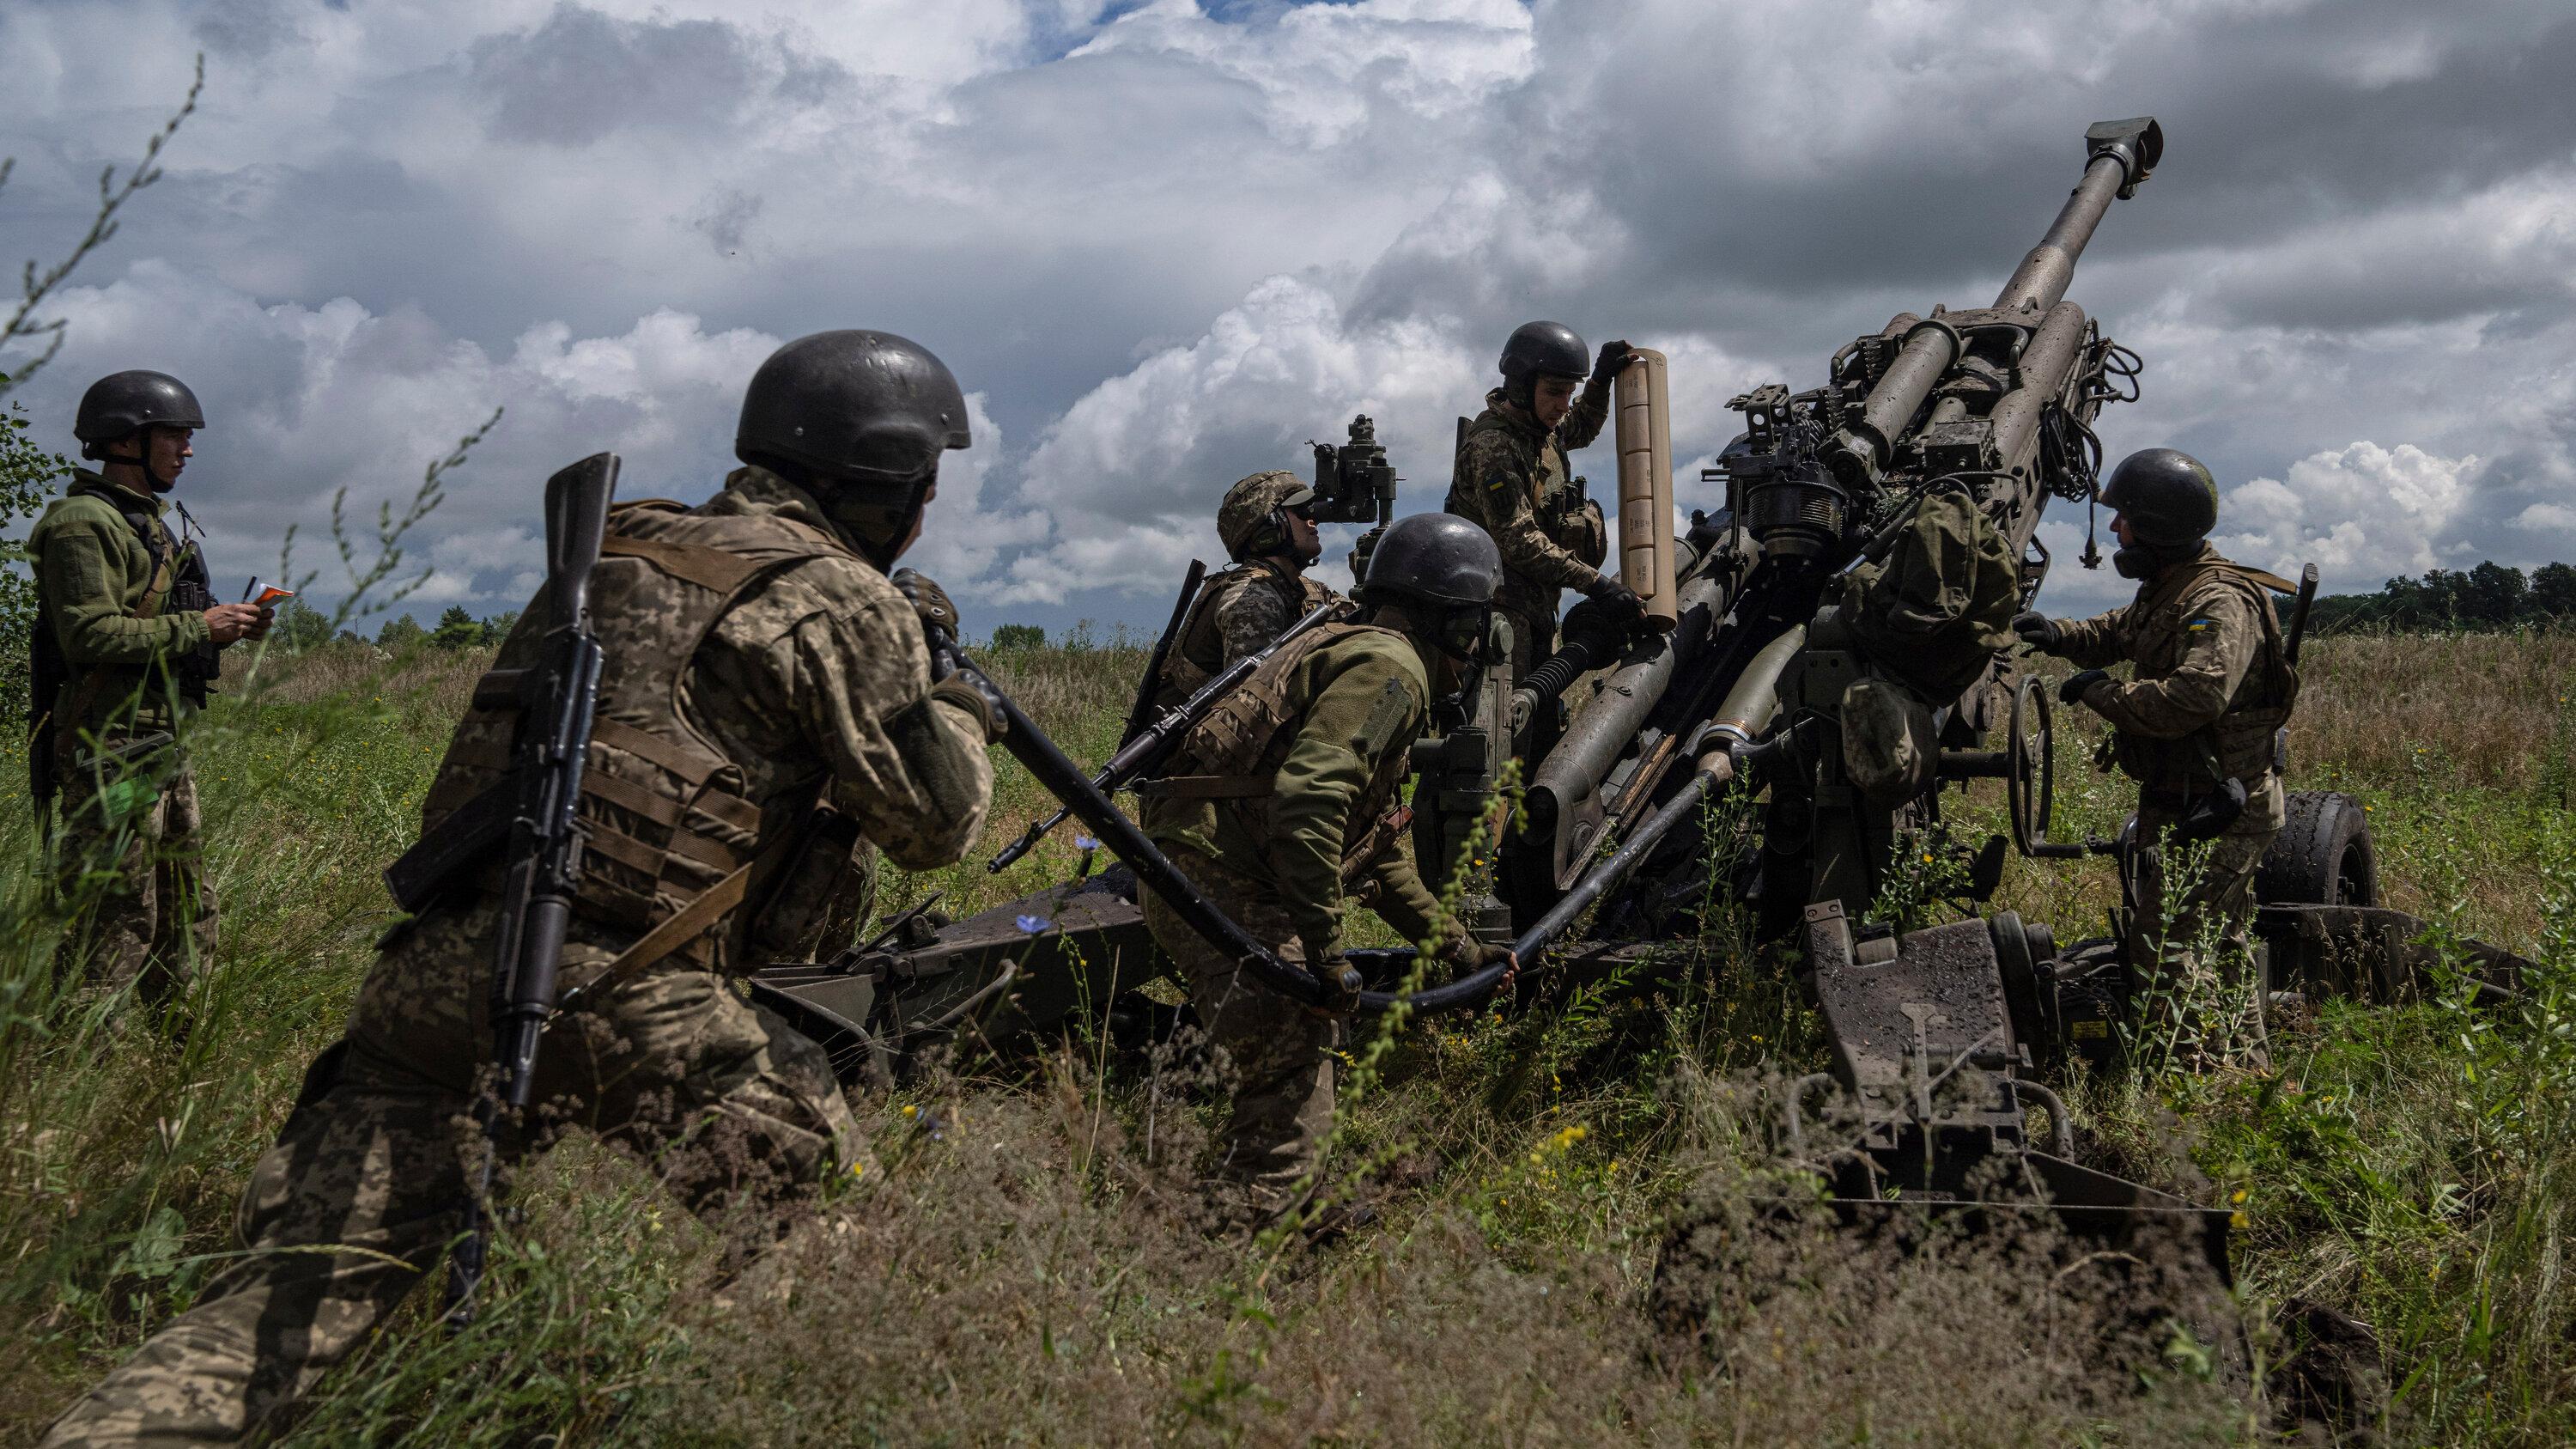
(2490, 597)
(457, 628)
(1019, 636)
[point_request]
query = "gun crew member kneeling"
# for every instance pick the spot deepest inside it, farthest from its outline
(1282, 802)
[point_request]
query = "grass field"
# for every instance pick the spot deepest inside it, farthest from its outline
(1025, 1265)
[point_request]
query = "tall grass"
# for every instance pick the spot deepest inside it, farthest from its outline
(1030, 1264)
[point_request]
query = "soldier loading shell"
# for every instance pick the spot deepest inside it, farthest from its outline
(124, 647)
(1512, 479)
(1283, 801)
(758, 667)
(1268, 528)
(2211, 687)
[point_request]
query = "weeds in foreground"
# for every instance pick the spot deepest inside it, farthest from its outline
(2405, 1166)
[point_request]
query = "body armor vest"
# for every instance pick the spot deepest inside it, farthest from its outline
(2238, 745)
(1234, 754)
(1198, 649)
(664, 810)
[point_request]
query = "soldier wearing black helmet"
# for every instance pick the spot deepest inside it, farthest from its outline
(125, 644)
(1512, 479)
(1284, 802)
(770, 706)
(2211, 685)
(1269, 531)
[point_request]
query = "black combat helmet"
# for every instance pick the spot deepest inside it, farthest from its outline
(1434, 558)
(121, 403)
(1442, 570)
(1545, 349)
(853, 407)
(2169, 499)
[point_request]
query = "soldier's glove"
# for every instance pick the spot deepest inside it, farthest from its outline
(2072, 691)
(1614, 356)
(975, 694)
(928, 599)
(2036, 630)
(1342, 983)
(1616, 599)
(1469, 954)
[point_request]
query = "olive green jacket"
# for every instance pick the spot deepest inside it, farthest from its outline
(107, 606)
(1358, 702)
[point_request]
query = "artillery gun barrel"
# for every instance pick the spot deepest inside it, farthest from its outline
(2119, 156)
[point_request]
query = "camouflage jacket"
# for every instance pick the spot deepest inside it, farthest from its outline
(806, 681)
(98, 590)
(1236, 613)
(2211, 680)
(1511, 479)
(1348, 709)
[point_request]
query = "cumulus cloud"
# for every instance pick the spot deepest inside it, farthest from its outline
(1165, 243)
(2360, 513)
(302, 402)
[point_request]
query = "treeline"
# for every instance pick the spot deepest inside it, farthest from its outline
(300, 626)
(2490, 598)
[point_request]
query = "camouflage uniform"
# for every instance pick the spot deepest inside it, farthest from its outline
(1299, 810)
(1237, 613)
(2212, 684)
(1511, 479)
(813, 675)
(129, 809)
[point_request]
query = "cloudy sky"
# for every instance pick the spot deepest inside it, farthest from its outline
(1164, 243)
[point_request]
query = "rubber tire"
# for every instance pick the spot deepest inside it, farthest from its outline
(2323, 855)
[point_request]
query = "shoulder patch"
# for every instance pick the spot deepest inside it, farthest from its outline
(1394, 706)
(1498, 480)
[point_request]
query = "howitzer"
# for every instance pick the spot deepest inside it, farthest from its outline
(1814, 597)
(542, 868)
(1147, 748)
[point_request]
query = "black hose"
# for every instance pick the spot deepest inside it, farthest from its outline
(1599, 881)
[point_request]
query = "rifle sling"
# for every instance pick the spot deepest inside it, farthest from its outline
(692, 920)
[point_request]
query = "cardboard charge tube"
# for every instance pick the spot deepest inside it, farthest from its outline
(1642, 408)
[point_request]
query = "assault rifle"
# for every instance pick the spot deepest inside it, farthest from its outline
(543, 865)
(1146, 749)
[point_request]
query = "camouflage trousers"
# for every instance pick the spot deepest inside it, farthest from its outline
(729, 1103)
(2195, 903)
(1275, 1056)
(151, 924)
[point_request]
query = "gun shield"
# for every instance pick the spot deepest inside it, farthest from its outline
(1646, 485)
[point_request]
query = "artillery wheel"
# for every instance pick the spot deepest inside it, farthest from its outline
(2030, 775)
(2323, 855)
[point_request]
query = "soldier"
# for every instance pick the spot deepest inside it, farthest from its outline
(1511, 479)
(1284, 800)
(123, 650)
(2212, 685)
(759, 665)
(1269, 532)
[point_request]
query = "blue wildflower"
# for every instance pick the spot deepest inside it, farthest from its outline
(1031, 925)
